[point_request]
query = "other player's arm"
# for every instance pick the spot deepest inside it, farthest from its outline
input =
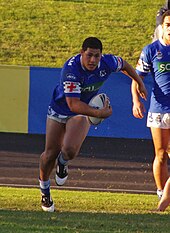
(138, 107)
(79, 107)
(130, 71)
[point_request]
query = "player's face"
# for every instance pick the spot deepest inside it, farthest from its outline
(166, 30)
(91, 58)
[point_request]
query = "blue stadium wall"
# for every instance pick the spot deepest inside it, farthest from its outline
(25, 93)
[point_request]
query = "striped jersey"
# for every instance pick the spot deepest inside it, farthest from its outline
(155, 59)
(76, 81)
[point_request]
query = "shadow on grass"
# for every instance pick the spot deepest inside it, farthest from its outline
(34, 221)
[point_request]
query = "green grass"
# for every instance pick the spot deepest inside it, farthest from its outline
(46, 33)
(80, 212)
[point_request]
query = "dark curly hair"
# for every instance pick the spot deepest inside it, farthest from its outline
(93, 43)
(167, 13)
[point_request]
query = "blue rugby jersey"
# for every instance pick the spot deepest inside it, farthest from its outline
(76, 81)
(155, 58)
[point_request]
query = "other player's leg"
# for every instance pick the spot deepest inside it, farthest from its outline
(160, 167)
(165, 200)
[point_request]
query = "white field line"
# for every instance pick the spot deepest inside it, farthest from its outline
(83, 189)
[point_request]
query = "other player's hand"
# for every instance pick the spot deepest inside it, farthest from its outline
(138, 110)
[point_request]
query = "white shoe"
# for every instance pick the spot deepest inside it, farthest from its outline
(61, 173)
(47, 203)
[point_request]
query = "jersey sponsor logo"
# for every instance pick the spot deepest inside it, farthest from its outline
(70, 76)
(92, 87)
(164, 67)
(71, 87)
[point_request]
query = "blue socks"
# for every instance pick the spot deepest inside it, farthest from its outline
(62, 161)
(45, 187)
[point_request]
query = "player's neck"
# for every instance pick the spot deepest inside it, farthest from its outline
(166, 42)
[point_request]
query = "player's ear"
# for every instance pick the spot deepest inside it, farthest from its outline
(81, 51)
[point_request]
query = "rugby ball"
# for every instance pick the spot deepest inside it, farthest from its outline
(97, 102)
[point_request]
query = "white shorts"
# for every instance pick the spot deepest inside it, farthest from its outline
(158, 120)
(57, 117)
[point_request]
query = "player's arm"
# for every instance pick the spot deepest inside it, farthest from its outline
(72, 90)
(138, 107)
(130, 71)
(79, 107)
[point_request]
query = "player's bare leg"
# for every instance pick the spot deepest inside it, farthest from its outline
(160, 167)
(54, 137)
(165, 200)
(76, 130)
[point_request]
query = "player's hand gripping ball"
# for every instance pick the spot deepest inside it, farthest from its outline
(97, 102)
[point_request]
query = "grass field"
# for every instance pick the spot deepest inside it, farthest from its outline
(80, 212)
(46, 33)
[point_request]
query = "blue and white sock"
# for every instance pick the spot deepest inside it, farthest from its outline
(45, 187)
(62, 160)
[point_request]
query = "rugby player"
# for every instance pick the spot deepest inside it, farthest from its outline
(155, 59)
(67, 122)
